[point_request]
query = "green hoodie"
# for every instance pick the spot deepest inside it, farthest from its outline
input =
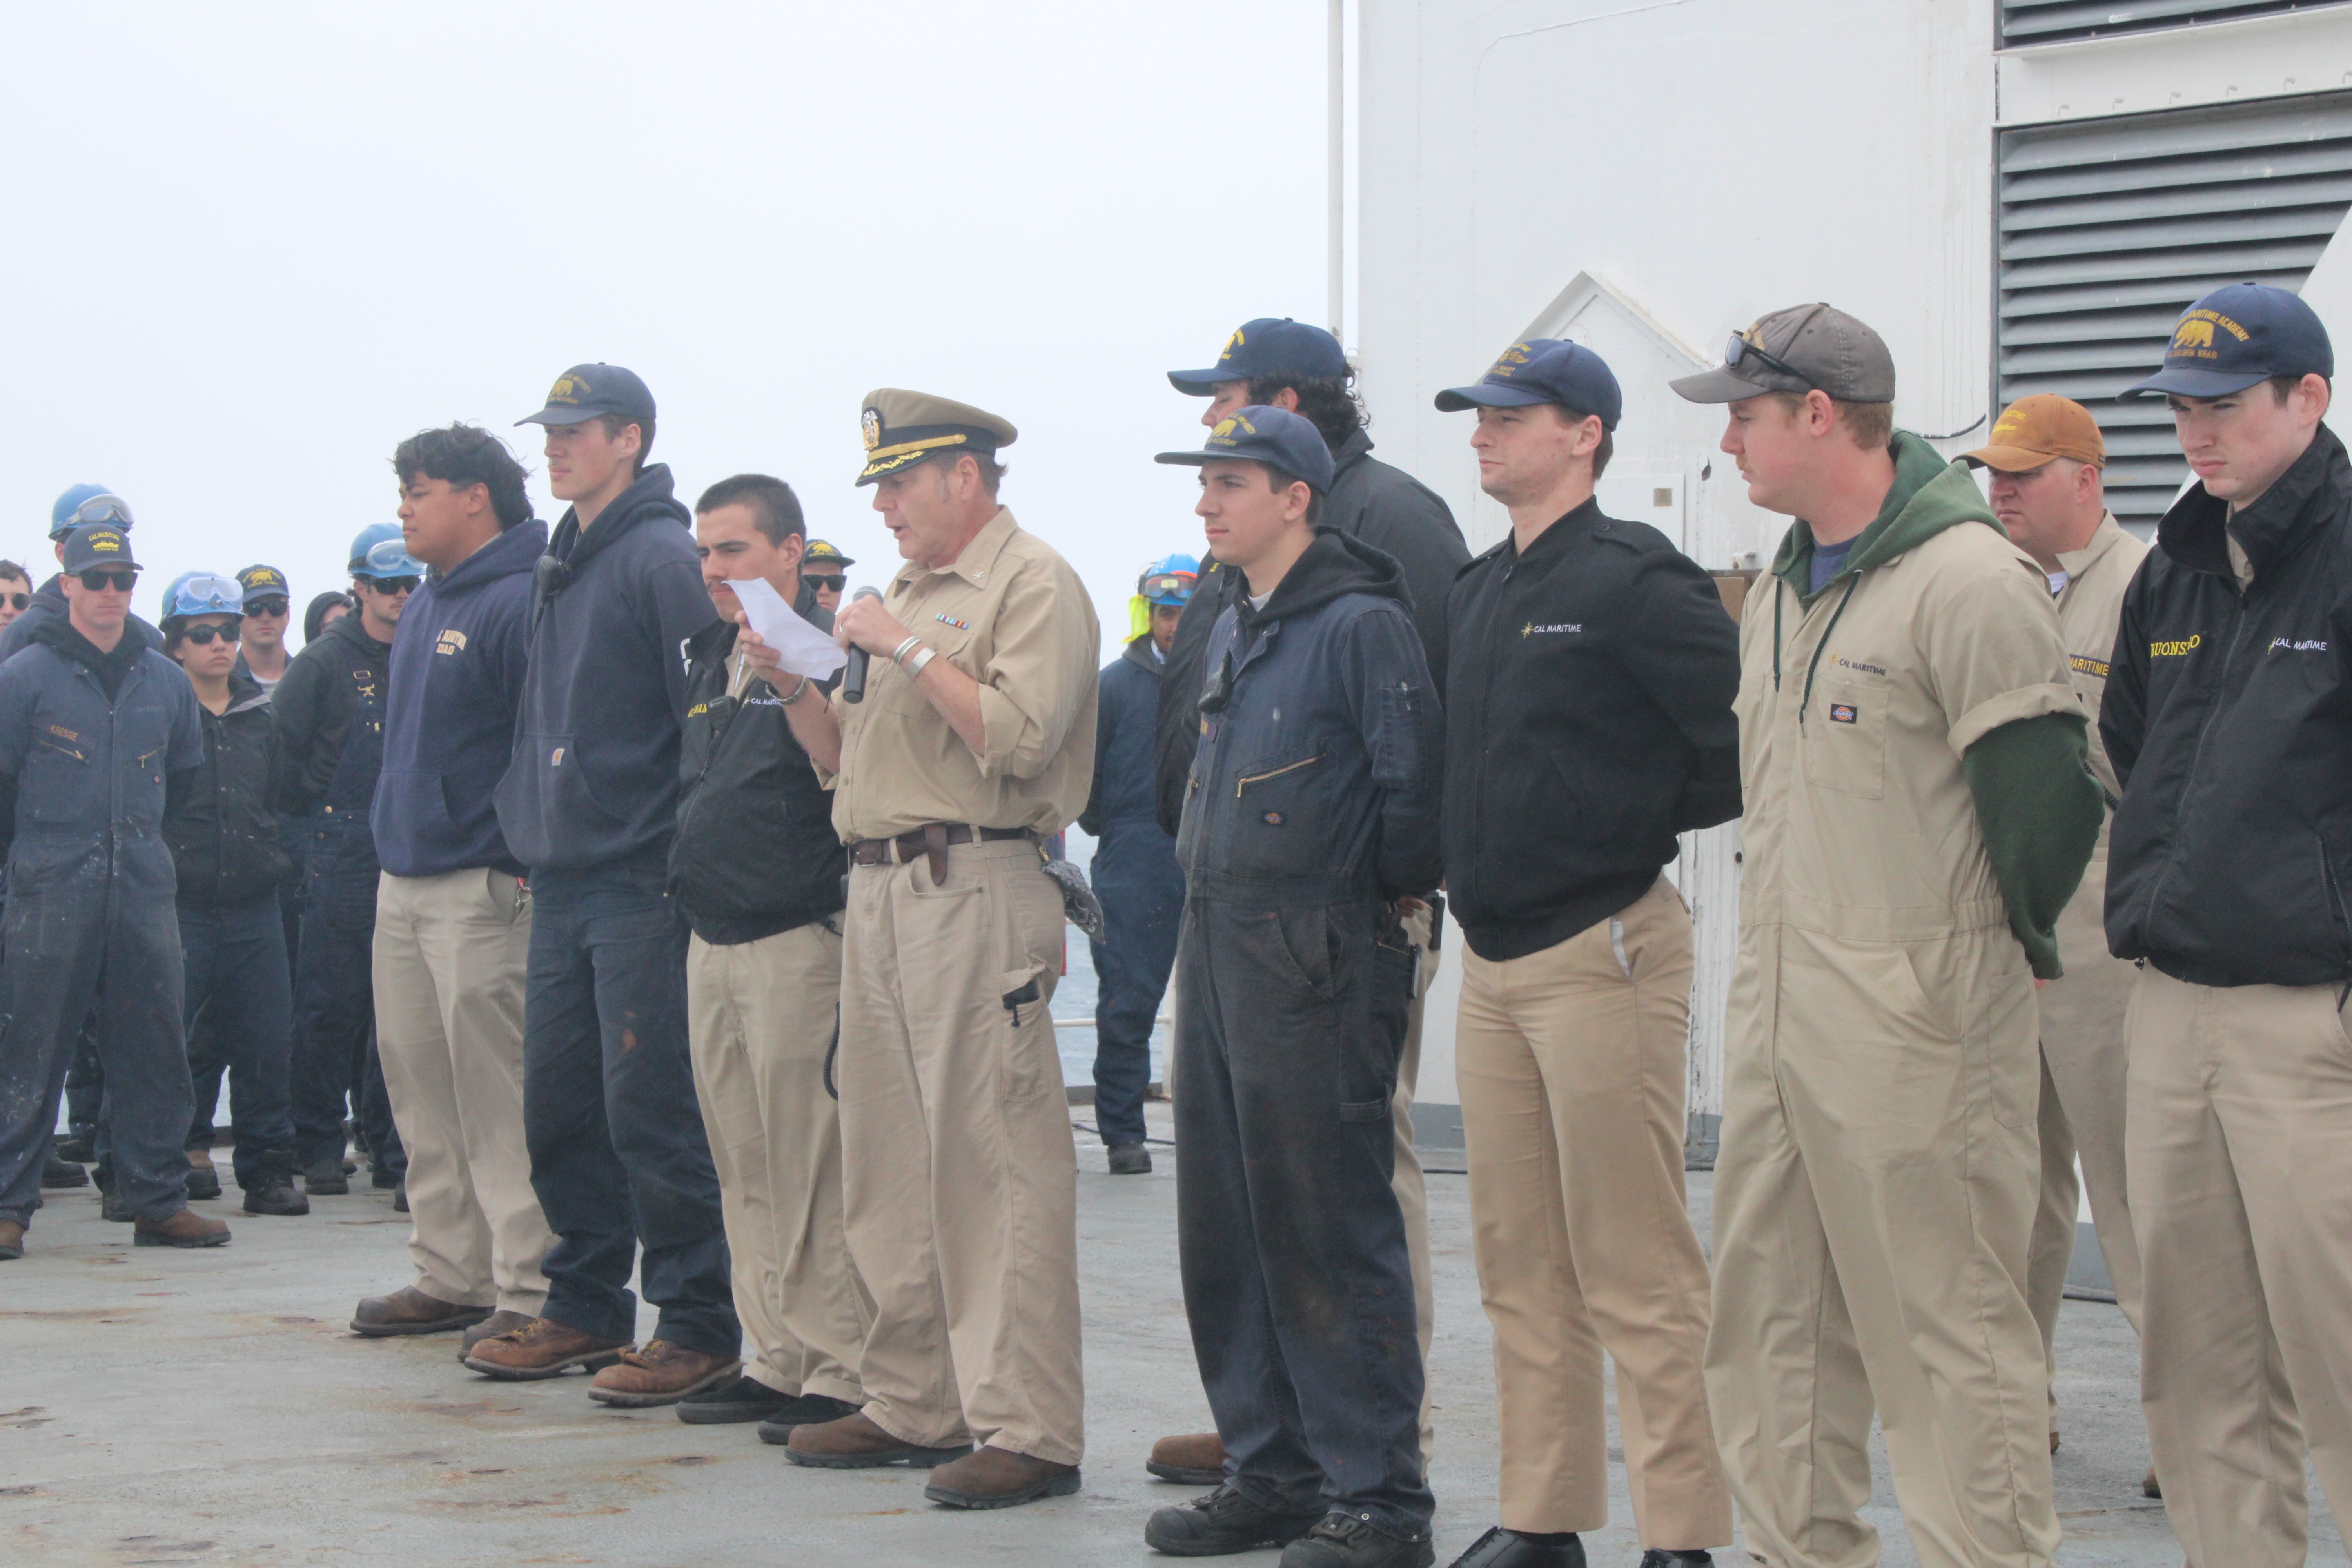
(2038, 804)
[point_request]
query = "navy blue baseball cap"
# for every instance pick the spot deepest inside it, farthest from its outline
(2235, 336)
(1543, 370)
(97, 545)
(1274, 436)
(1271, 345)
(585, 391)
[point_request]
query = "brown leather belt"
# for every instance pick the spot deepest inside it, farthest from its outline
(930, 840)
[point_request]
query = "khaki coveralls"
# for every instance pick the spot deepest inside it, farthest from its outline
(1878, 1172)
(959, 1172)
(2082, 1011)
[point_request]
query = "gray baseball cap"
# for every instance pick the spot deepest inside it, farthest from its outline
(1798, 349)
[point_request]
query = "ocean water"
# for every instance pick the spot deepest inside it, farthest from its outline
(1073, 999)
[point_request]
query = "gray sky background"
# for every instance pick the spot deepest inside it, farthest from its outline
(251, 246)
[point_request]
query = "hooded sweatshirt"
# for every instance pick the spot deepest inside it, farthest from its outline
(594, 777)
(449, 720)
(1315, 779)
(1930, 664)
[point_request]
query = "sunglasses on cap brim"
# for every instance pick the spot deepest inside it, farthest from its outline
(1740, 349)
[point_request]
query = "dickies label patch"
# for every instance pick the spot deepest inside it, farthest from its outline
(1843, 714)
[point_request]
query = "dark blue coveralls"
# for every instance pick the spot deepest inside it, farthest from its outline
(91, 898)
(1140, 886)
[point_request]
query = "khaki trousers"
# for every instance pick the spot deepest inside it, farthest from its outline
(958, 1166)
(1573, 1071)
(1873, 1199)
(2083, 1058)
(761, 1020)
(1409, 1185)
(450, 957)
(2236, 1140)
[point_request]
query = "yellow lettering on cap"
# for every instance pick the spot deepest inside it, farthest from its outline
(1236, 341)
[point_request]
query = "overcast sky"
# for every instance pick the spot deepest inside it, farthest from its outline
(252, 246)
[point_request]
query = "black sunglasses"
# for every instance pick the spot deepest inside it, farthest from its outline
(389, 586)
(19, 601)
(202, 635)
(1740, 348)
(266, 607)
(823, 584)
(97, 580)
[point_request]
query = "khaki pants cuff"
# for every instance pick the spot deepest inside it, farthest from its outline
(1046, 1448)
(911, 1434)
(531, 1303)
(458, 1295)
(834, 1388)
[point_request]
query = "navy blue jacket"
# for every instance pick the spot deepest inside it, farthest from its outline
(594, 776)
(1131, 846)
(449, 720)
(1317, 781)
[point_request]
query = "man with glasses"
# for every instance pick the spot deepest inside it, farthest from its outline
(331, 708)
(16, 592)
(267, 603)
(92, 723)
(77, 506)
(825, 570)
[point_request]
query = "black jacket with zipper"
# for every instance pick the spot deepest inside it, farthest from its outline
(222, 834)
(2228, 715)
(756, 852)
(313, 704)
(1589, 720)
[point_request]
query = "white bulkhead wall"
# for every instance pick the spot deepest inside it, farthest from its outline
(1649, 176)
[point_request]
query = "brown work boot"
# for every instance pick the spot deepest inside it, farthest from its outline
(185, 1228)
(12, 1246)
(855, 1443)
(661, 1373)
(502, 1321)
(1194, 1459)
(409, 1310)
(998, 1477)
(545, 1348)
(204, 1176)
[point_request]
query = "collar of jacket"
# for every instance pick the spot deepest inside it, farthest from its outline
(60, 633)
(347, 628)
(2075, 562)
(1572, 524)
(653, 495)
(244, 692)
(973, 562)
(1334, 564)
(1139, 653)
(510, 554)
(1348, 453)
(1929, 496)
(2311, 493)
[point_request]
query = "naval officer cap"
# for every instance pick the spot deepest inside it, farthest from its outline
(903, 428)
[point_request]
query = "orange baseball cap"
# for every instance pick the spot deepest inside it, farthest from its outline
(2033, 430)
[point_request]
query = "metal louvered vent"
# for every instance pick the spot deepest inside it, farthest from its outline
(2108, 228)
(2024, 22)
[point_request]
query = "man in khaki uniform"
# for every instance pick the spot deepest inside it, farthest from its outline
(973, 739)
(1917, 813)
(2046, 455)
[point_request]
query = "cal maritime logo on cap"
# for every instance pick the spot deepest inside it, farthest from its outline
(870, 425)
(1223, 435)
(1512, 358)
(2193, 339)
(105, 542)
(1236, 341)
(567, 390)
(264, 576)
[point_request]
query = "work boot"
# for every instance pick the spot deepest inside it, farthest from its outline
(1349, 1540)
(203, 1177)
(12, 1240)
(330, 1178)
(1194, 1459)
(111, 1204)
(1500, 1548)
(745, 1398)
(185, 1228)
(380, 1177)
(501, 1322)
(854, 1443)
(56, 1174)
(409, 1310)
(400, 1199)
(543, 1348)
(82, 1148)
(2149, 1485)
(998, 1477)
(1129, 1160)
(807, 1410)
(661, 1373)
(1222, 1523)
(1659, 1557)
(272, 1189)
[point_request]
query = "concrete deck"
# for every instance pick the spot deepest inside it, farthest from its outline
(210, 1407)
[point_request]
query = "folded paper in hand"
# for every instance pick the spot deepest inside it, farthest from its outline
(805, 651)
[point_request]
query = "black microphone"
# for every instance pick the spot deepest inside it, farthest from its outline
(852, 679)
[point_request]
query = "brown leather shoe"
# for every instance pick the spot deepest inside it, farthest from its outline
(855, 1443)
(409, 1310)
(1194, 1459)
(185, 1228)
(501, 1322)
(12, 1246)
(999, 1478)
(661, 1373)
(544, 1349)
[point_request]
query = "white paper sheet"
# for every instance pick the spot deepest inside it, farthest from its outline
(805, 651)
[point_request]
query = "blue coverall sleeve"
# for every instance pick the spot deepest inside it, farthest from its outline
(1403, 731)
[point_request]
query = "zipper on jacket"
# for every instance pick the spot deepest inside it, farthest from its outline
(2196, 764)
(2336, 906)
(1248, 779)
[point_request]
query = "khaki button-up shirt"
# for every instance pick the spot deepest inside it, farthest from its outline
(2089, 608)
(1012, 615)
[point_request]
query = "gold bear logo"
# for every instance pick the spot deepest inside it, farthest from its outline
(2194, 335)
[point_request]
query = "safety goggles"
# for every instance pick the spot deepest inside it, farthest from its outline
(1740, 349)
(266, 607)
(208, 596)
(98, 579)
(100, 509)
(1166, 584)
(391, 586)
(388, 556)
(202, 635)
(826, 584)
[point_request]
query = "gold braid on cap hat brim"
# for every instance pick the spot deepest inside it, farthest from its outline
(889, 459)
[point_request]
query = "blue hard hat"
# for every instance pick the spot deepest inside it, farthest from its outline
(74, 508)
(203, 593)
(378, 552)
(1168, 580)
